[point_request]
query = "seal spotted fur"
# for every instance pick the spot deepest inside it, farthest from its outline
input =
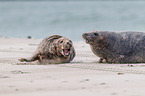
(53, 49)
(117, 47)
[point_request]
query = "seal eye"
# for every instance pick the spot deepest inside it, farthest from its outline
(61, 41)
(96, 34)
(70, 41)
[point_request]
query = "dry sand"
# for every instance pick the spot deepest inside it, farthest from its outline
(82, 77)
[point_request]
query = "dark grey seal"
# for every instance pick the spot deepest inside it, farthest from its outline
(117, 47)
(54, 49)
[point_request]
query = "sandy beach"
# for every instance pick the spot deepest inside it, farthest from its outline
(82, 77)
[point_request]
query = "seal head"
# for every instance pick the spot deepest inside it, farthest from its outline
(64, 46)
(93, 38)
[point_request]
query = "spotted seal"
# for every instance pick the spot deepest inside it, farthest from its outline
(53, 49)
(117, 47)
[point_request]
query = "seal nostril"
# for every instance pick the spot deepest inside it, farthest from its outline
(67, 43)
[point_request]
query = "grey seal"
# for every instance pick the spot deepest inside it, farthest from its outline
(53, 49)
(117, 47)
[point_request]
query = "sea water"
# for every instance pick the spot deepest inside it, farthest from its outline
(71, 19)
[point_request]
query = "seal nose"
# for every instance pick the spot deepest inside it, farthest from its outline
(67, 45)
(85, 34)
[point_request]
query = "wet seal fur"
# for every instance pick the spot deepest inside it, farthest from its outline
(54, 49)
(117, 47)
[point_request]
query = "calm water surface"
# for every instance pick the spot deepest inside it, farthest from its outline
(70, 19)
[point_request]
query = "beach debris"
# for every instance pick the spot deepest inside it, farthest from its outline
(19, 72)
(29, 37)
(120, 73)
(1, 76)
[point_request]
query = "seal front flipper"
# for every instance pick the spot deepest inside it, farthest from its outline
(103, 60)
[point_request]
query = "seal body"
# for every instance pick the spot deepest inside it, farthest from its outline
(117, 47)
(54, 49)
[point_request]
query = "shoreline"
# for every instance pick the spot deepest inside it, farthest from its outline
(83, 76)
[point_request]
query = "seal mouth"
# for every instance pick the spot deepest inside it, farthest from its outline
(89, 41)
(66, 52)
